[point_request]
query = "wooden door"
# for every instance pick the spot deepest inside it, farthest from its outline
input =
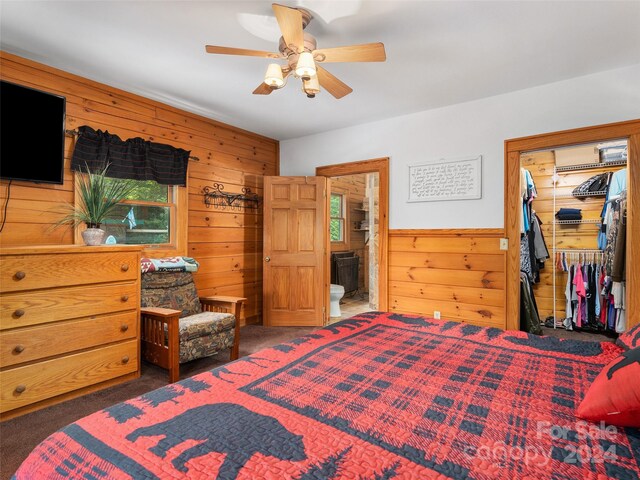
(296, 242)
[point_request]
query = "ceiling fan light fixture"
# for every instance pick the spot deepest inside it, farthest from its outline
(273, 77)
(311, 87)
(306, 67)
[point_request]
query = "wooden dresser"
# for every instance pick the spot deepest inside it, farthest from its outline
(68, 323)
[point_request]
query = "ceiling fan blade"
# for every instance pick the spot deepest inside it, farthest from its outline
(332, 84)
(263, 89)
(240, 51)
(290, 22)
(369, 52)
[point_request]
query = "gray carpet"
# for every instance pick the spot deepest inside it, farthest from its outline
(573, 335)
(20, 435)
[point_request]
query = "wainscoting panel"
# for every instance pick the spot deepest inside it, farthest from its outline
(459, 273)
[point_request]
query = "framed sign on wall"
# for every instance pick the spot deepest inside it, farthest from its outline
(446, 180)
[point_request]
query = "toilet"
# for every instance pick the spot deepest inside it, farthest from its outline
(336, 294)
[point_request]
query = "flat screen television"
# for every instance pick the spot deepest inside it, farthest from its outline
(31, 134)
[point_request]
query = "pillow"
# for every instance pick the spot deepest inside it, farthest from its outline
(630, 338)
(614, 396)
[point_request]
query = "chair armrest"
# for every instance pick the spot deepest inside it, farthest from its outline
(232, 305)
(218, 299)
(159, 312)
(160, 336)
(223, 304)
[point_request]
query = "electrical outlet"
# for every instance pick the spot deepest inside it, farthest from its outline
(436, 315)
(504, 244)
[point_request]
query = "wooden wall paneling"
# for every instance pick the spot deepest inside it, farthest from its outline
(460, 273)
(226, 243)
(514, 148)
(633, 232)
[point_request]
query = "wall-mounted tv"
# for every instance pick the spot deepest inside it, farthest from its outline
(31, 134)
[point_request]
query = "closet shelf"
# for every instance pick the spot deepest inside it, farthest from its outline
(601, 193)
(591, 166)
(576, 250)
(577, 222)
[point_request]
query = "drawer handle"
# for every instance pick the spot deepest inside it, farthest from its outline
(124, 328)
(20, 275)
(124, 267)
(20, 388)
(124, 298)
(18, 313)
(18, 349)
(125, 359)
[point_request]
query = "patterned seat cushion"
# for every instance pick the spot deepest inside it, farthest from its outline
(205, 324)
(170, 290)
(201, 347)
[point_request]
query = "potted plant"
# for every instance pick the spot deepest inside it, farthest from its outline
(97, 197)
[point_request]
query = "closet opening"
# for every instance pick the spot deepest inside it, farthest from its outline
(573, 232)
(580, 188)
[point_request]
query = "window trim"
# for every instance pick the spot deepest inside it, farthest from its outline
(345, 221)
(178, 220)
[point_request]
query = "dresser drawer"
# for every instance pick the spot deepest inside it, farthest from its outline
(32, 308)
(26, 272)
(33, 343)
(22, 386)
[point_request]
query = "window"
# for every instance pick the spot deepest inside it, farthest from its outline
(145, 217)
(337, 220)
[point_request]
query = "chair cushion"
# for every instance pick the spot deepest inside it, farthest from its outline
(202, 347)
(170, 290)
(205, 324)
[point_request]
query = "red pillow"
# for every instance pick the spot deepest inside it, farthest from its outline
(614, 396)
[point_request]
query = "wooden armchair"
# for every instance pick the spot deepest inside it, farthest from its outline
(177, 326)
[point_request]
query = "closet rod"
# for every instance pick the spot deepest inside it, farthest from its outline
(577, 250)
(75, 133)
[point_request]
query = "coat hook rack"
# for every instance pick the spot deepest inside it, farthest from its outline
(240, 202)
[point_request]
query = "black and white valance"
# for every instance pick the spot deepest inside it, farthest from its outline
(134, 159)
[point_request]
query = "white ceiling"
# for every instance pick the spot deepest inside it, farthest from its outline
(438, 53)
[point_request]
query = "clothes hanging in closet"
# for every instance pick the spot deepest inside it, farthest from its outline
(584, 291)
(533, 249)
(529, 318)
(614, 259)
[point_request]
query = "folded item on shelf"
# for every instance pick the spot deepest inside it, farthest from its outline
(597, 183)
(613, 151)
(569, 214)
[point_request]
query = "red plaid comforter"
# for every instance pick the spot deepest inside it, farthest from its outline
(378, 396)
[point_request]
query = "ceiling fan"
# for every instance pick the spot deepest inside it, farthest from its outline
(303, 58)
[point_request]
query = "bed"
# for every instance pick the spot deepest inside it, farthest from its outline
(377, 396)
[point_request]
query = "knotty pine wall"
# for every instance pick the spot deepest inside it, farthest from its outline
(353, 186)
(228, 245)
(460, 273)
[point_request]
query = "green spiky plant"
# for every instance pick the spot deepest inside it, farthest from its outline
(98, 196)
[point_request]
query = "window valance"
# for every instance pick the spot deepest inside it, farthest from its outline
(135, 158)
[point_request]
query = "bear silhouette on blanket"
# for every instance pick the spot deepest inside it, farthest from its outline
(225, 428)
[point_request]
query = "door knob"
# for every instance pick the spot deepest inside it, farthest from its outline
(267, 259)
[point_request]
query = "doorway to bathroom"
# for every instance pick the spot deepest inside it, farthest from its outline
(358, 227)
